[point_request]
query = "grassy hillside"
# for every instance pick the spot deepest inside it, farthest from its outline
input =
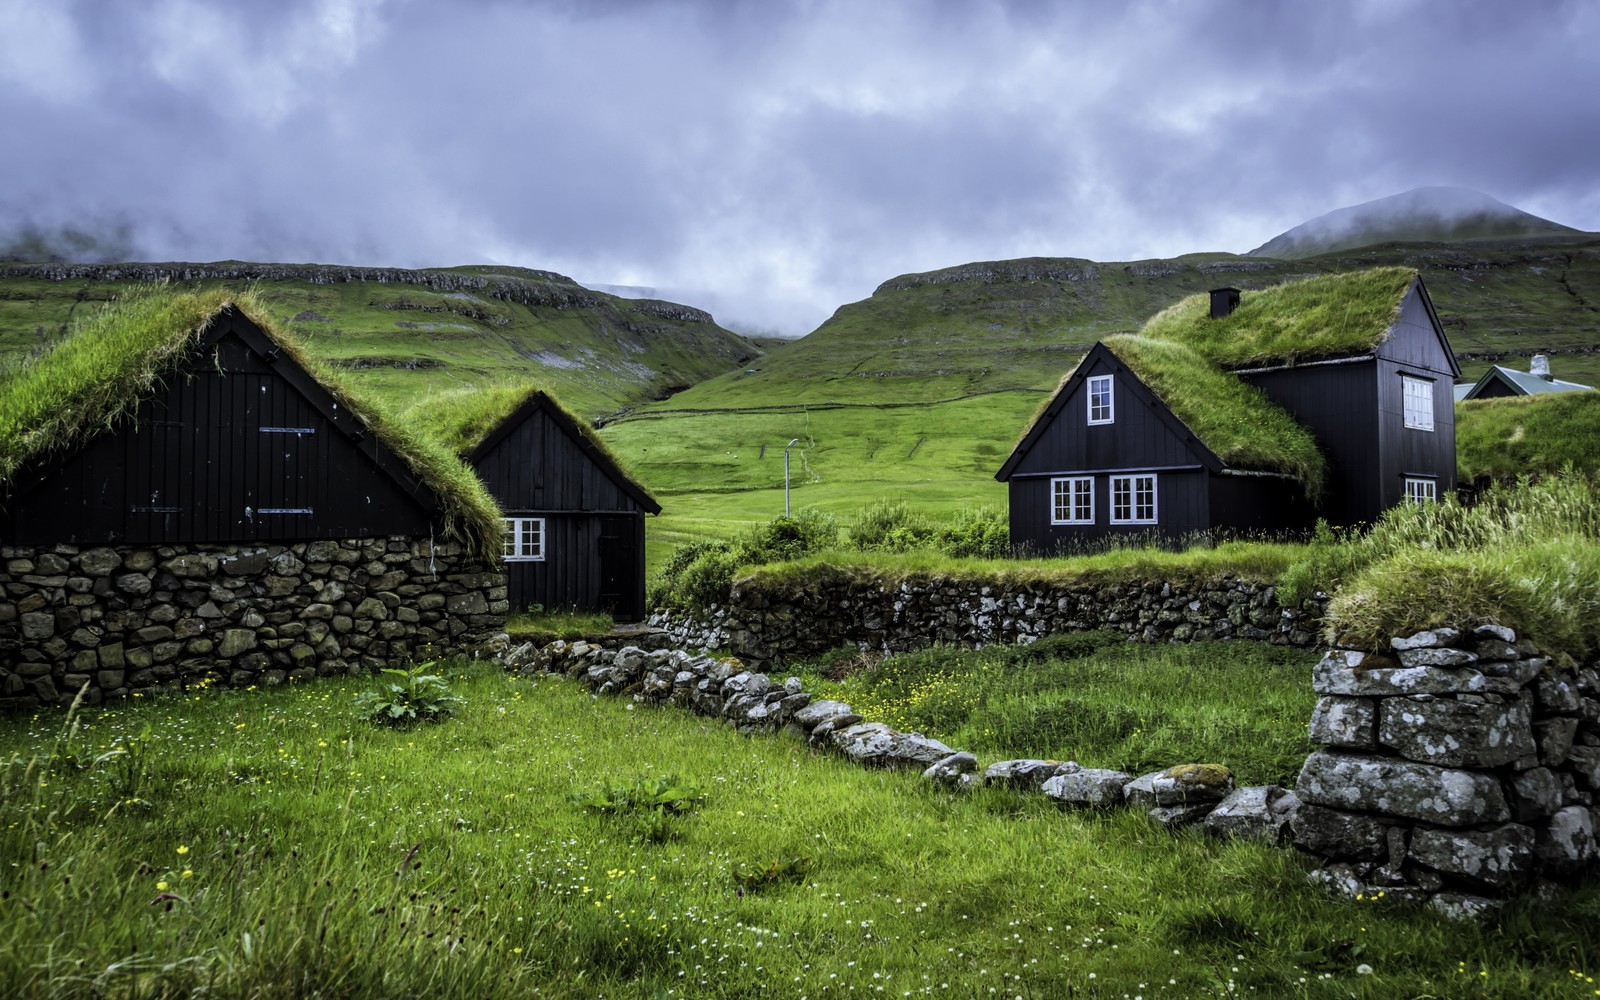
(402, 333)
(961, 357)
(1022, 323)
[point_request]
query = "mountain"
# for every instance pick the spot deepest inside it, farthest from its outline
(405, 332)
(1019, 324)
(1425, 214)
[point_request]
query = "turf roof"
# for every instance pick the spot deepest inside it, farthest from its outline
(1240, 425)
(1327, 316)
(121, 353)
(460, 419)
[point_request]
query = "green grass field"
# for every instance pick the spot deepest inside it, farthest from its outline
(716, 473)
(267, 844)
(401, 341)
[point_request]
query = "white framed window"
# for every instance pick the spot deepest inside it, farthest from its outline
(1100, 408)
(1421, 490)
(1418, 399)
(1072, 500)
(1133, 499)
(524, 539)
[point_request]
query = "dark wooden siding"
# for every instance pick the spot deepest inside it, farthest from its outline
(1415, 348)
(594, 543)
(1182, 510)
(1407, 452)
(592, 562)
(230, 450)
(539, 466)
(1339, 405)
(1258, 506)
(1137, 438)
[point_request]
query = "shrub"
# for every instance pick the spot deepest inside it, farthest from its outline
(700, 574)
(412, 697)
(1527, 556)
(890, 526)
(977, 533)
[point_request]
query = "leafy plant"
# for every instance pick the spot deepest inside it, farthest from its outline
(754, 878)
(412, 697)
(653, 803)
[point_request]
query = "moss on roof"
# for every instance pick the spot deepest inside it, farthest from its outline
(121, 353)
(1235, 420)
(461, 418)
(1326, 316)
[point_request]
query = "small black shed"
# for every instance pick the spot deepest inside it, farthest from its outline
(574, 519)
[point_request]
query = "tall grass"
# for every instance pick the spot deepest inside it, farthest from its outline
(1098, 699)
(1525, 555)
(267, 844)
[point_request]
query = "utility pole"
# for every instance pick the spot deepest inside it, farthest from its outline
(786, 448)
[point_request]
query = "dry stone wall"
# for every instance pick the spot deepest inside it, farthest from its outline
(764, 624)
(136, 619)
(642, 667)
(1458, 767)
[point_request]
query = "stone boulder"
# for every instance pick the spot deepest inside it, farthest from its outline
(1567, 845)
(1027, 773)
(1500, 858)
(1394, 787)
(1087, 787)
(1477, 731)
(1183, 785)
(876, 745)
(959, 770)
(826, 711)
(1256, 812)
(1337, 834)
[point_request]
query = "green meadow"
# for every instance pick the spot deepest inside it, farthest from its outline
(270, 844)
(718, 472)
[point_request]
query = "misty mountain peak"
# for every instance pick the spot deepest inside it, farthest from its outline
(1422, 214)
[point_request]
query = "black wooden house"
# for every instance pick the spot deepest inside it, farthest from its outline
(218, 435)
(1238, 413)
(574, 519)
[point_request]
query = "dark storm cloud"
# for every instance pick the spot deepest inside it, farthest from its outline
(772, 160)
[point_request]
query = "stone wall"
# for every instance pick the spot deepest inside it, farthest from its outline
(641, 667)
(134, 619)
(1461, 767)
(761, 624)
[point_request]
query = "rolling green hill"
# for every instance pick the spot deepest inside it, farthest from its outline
(1008, 325)
(920, 391)
(401, 333)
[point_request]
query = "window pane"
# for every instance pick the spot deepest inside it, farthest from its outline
(1100, 399)
(1417, 395)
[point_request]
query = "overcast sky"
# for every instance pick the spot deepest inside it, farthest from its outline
(773, 160)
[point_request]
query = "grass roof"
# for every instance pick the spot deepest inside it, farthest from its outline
(1235, 420)
(1326, 316)
(1512, 436)
(121, 354)
(461, 418)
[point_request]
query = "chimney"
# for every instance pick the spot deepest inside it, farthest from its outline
(1539, 365)
(1223, 302)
